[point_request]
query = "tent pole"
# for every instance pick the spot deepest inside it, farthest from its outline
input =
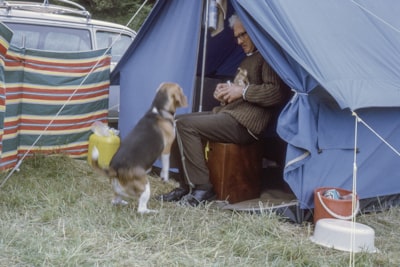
(203, 64)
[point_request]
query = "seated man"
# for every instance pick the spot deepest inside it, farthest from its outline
(244, 113)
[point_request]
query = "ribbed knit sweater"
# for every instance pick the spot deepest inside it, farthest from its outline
(265, 93)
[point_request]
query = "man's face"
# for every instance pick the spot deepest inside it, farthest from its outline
(243, 38)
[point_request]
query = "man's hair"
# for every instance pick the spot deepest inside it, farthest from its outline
(233, 19)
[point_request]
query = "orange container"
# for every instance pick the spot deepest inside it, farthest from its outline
(107, 146)
(325, 207)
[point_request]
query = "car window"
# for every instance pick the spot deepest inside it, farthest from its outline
(50, 38)
(106, 39)
(65, 41)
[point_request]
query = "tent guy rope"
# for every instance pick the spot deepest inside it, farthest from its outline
(354, 184)
(377, 134)
(18, 164)
(375, 16)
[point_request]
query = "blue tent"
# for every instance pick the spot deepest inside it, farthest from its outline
(341, 59)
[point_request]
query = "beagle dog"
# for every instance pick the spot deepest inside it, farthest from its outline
(149, 140)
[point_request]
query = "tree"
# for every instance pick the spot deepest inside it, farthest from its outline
(118, 11)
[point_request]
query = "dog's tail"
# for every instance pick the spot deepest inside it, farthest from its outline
(110, 172)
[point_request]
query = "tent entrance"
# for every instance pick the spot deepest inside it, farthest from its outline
(222, 57)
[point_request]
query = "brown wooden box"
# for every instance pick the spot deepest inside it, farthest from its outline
(235, 170)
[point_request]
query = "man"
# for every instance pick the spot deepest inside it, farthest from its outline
(244, 113)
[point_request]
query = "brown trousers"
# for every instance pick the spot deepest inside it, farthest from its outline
(192, 131)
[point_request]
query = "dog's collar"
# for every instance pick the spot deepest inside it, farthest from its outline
(168, 115)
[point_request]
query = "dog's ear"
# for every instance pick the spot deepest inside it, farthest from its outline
(175, 94)
(180, 98)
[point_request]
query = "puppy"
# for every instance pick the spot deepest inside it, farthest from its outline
(150, 139)
(241, 77)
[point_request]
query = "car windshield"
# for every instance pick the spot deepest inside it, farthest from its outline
(50, 38)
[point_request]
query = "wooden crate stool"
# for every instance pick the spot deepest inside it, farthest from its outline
(235, 170)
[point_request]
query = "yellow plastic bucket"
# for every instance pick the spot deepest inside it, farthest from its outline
(106, 145)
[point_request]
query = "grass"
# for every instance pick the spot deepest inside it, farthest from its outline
(56, 212)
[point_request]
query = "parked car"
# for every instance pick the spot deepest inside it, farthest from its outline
(67, 27)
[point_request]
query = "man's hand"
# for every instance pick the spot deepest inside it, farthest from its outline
(227, 92)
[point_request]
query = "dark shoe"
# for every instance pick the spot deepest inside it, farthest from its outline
(174, 195)
(196, 197)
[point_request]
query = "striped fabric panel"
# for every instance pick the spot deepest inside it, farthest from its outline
(5, 38)
(36, 85)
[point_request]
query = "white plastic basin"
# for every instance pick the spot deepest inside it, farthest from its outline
(337, 234)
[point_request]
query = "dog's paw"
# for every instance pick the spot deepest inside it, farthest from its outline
(146, 211)
(122, 202)
(164, 176)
